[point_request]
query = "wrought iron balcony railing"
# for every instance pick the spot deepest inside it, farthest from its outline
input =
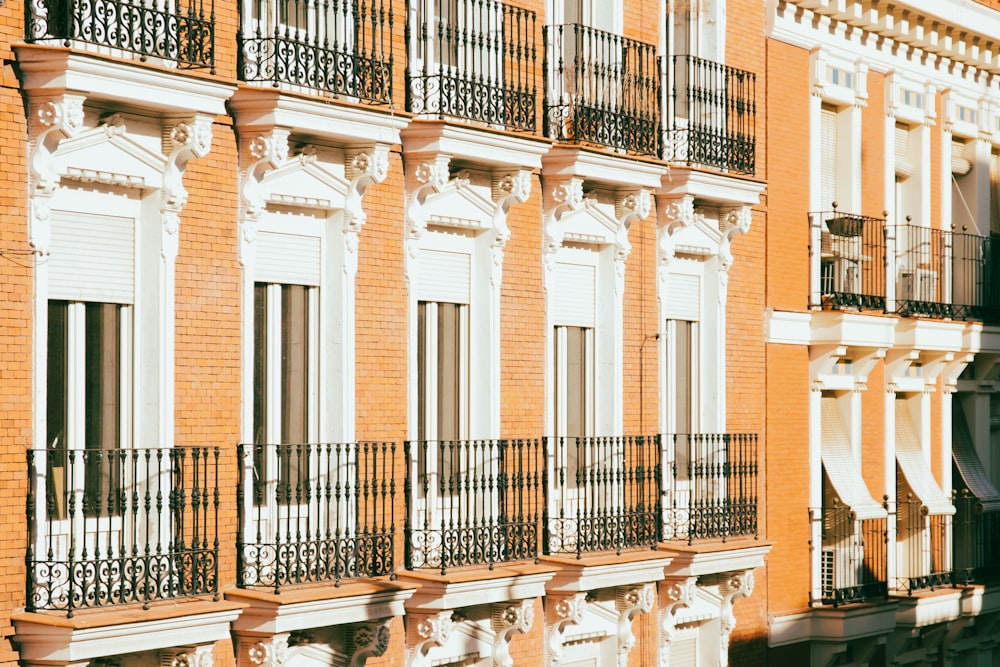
(602, 89)
(337, 47)
(180, 32)
(315, 513)
(710, 486)
(975, 540)
(603, 493)
(475, 59)
(712, 118)
(848, 254)
(921, 545)
(853, 566)
(119, 526)
(472, 502)
(975, 276)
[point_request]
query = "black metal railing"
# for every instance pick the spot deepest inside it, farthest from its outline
(601, 88)
(472, 502)
(182, 32)
(714, 111)
(851, 260)
(923, 267)
(712, 492)
(853, 558)
(315, 512)
(339, 47)
(975, 276)
(119, 526)
(604, 493)
(475, 59)
(921, 547)
(976, 541)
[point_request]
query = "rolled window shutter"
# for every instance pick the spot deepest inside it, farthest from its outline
(828, 158)
(290, 259)
(959, 165)
(444, 276)
(683, 297)
(575, 298)
(904, 168)
(92, 258)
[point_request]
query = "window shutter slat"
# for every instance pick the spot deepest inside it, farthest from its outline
(291, 259)
(683, 297)
(444, 276)
(574, 301)
(92, 258)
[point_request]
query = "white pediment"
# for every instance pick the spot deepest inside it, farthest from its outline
(460, 206)
(315, 655)
(588, 224)
(702, 237)
(304, 182)
(106, 154)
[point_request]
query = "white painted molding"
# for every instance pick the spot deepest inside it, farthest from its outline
(675, 593)
(188, 656)
(431, 631)
(507, 621)
(630, 602)
(732, 586)
(566, 611)
(271, 652)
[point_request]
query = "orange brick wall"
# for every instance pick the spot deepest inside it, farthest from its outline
(872, 148)
(873, 433)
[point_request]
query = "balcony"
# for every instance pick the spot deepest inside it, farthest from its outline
(336, 47)
(475, 60)
(601, 89)
(976, 541)
(472, 502)
(603, 493)
(923, 559)
(853, 557)
(177, 33)
(316, 512)
(712, 116)
(120, 526)
(850, 264)
(711, 491)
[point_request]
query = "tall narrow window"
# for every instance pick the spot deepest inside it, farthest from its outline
(85, 426)
(682, 337)
(829, 158)
(285, 381)
(442, 360)
(574, 395)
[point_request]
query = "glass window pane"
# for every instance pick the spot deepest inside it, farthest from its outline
(56, 408)
(102, 416)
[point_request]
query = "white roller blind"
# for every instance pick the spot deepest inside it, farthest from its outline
(575, 297)
(92, 258)
(828, 158)
(960, 166)
(904, 168)
(969, 466)
(841, 467)
(291, 259)
(683, 297)
(444, 276)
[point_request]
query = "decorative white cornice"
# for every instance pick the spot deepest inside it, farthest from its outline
(431, 631)
(507, 621)
(369, 639)
(630, 602)
(566, 611)
(732, 585)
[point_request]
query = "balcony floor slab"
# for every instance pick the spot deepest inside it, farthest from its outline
(476, 585)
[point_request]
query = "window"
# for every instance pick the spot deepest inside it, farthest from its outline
(442, 370)
(285, 387)
(85, 406)
(829, 158)
(574, 389)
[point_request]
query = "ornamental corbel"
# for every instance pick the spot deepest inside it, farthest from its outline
(432, 631)
(186, 139)
(270, 653)
(369, 639)
(678, 214)
(190, 656)
(633, 206)
(568, 611)
(675, 593)
(630, 602)
(568, 197)
(732, 585)
(731, 223)
(432, 178)
(364, 169)
(266, 152)
(507, 621)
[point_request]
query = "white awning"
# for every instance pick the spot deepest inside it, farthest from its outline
(969, 466)
(843, 471)
(915, 468)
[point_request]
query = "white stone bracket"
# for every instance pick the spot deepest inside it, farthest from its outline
(369, 639)
(630, 602)
(564, 612)
(732, 586)
(509, 620)
(675, 593)
(432, 631)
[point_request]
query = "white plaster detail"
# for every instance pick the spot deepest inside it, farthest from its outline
(630, 602)
(270, 653)
(675, 594)
(509, 188)
(59, 120)
(189, 656)
(431, 631)
(370, 639)
(364, 169)
(567, 611)
(507, 621)
(732, 586)
(731, 223)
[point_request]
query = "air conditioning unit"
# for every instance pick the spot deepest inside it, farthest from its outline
(840, 276)
(917, 285)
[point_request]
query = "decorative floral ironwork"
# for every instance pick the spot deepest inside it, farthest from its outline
(178, 32)
(121, 526)
(480, 64)
(341, 47)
